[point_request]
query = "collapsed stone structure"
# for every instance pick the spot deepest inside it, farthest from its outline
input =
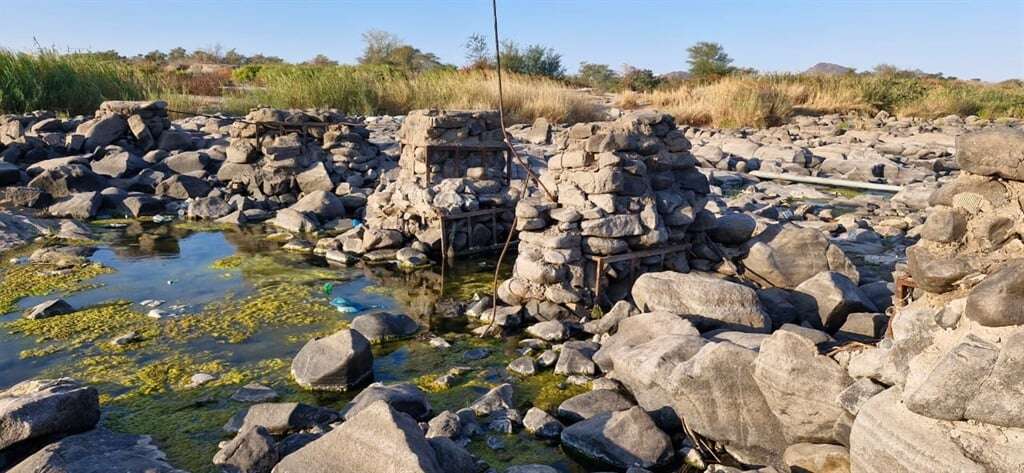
(616, 187)
(451, 163)
(318, 164)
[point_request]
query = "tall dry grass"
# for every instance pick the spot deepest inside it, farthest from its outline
(760, 100)
(381, 90)
(76, 84)
(728, 103)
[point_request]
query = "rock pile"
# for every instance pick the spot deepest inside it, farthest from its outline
(312, 178)
(616, 187)
(880, 149)
(951, 368)
(451, 163)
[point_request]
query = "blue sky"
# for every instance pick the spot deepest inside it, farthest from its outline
(983, 39)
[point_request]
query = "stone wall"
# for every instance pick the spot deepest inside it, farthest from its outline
(621, 186)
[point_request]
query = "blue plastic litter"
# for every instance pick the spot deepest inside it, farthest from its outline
(356, 223)
(346, 306)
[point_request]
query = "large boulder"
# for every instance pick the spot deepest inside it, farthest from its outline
(186, 163)
(182, 187)
(294, 221)
(102, 130)
(403, 397)
(47, 309)
(729, 409)
(591, 403)
(379, 327)
(998, 399)
(995, 151)
(48, 407)
(826, 299)
(786, 255)
(68, 179)
(889, 438)
(640, 329)
(253, 450)
(708, 301)
(998, 301)
(281, 417)
(800, 386)
(98, 450)
(936, 273)
(121, 164)
(940, 384)
(323, 204)
(379, 439)
(335, 363)
(82, 206)
(619, 440)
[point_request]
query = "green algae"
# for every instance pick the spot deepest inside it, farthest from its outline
(236, 321)
(547, 390)
(519, 449)
(38, 279)
(86, 326)
(229, 262)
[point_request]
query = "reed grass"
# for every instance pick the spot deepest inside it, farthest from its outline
(78, 83)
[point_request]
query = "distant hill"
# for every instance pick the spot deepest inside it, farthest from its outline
(829, 69)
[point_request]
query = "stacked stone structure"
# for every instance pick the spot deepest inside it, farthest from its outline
(452, 163)
(616, 187)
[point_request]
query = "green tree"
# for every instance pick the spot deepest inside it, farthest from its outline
(379, 46)
(535, 60)
(708, 60)
(177, 54)
(598, 76)
(639, 80)
(385, 48)
(234, 57)
(477, 54)
(322, 60)
(156, 56)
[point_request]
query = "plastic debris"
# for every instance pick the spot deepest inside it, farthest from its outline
(346, 306)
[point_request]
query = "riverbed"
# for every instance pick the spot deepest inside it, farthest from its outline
(233, 304)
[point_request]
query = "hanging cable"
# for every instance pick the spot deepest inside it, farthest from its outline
(515, 155)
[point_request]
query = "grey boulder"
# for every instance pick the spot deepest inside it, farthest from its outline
(619, 440)
(403, 397)
(708, 301)
(335, 363)
(97, 451)
(253, 450)
(379, 439)
(380, 327)
(46, 407)
(47, 309)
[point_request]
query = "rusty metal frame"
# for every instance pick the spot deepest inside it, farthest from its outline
(632, 256)
(457, 151)
(904, 288)
(454, 218)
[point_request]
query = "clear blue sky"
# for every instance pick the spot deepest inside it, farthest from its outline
(983, 39)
